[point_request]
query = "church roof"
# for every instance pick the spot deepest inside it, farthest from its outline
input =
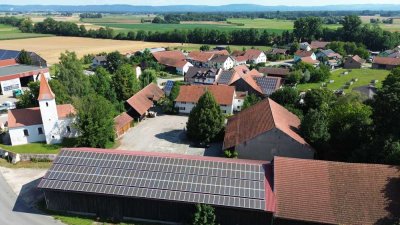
(32, 116)
(45, 92)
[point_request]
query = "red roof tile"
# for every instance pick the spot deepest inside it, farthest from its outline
(319, 44)
(302, 53)
(200, 56)
(335, 192)
(122, 119)
(143, 100)
(32, 116)
(171, 58)
(191, 93)
(387, 61)
(309, 60)
(250, 54)
(259, 119)
(45, 92)
(271, 71)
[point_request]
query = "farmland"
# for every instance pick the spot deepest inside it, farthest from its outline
(51, 47)
(364, 77)
(9, 32)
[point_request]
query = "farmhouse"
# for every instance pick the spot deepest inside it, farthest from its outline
(48, 123)
(173, 60)
(305, 46)
(227, 77)
(140, 103)
(13, 76)
(385, 63)
(158, 186)
(122, 124)
(99, 60)
(266, 130)
(202, 75)
(274, 72)
(202, 58)
(319, 44)
(224, 62)
(300, 54)
(12, 54)
(354, 62)
(189, 95)
(251, 56)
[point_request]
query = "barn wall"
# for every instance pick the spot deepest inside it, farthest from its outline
(120, 207)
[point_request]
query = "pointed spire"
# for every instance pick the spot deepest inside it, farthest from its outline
(45, 92)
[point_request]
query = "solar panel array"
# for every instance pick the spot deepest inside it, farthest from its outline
(8, 54)
(225, 77)
(267, 84)
(168, 86)
(229, 184)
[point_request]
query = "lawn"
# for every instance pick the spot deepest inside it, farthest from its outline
(25, 164)
(364, 77)
(33, 148)
(9, 32)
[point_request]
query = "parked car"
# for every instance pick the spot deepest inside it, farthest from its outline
(7, 105)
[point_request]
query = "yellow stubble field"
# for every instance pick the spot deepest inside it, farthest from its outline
(50, 48)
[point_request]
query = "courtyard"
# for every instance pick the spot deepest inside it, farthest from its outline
(164, 133)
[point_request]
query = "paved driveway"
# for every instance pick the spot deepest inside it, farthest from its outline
(164, 133)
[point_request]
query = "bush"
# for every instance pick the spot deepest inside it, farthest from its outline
(231, 153)
(36, 160)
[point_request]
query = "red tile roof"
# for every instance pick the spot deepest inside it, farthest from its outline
(302, 53)
(241, 69)
(7, 62)
(32, 116)
(171, 58)
(121, 120)
(319, 44)
(309, 60)
(143, 100)
(250, 54)
(271, 71)
(249, 78)
(358, 59)
(387, 61)
(191, 93)
(336, 192)
(201, 56)
(45, 92)
(259, 119)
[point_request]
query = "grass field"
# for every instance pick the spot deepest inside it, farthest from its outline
(50, 48)
(34, 148)
(9, 32)
(364, 77)
(192, 47)
(25, 164)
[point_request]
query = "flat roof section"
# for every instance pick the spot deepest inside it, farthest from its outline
(19, 70)
(210, 180)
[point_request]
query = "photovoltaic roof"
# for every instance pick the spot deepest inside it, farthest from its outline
(225, 77)
(215, 181)
(268, 85)
(8, 54)
(168, 85)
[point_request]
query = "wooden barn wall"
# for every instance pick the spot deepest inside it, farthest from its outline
(119, 207)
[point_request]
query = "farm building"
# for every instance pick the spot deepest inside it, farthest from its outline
(266, 130)
(319, 44)
(251, 56)
(274, 72)
(12, 54)
(202, 75)
(385, 63)
(122, 124)
(140, 103)
(354, 62)
(159, 187)
(173, 60)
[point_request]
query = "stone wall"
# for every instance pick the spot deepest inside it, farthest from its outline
(15, 157)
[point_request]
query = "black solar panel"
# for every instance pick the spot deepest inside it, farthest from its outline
(233, 184)
(225, 77)
(168, 86)
(267, 84)
(8, 54)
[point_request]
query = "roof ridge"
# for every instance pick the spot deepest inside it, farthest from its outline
(272, 114)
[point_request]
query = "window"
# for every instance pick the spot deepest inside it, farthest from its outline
(182, 108)
(11, 87)
(26, 132)
(47, 104)
(52, 136)
(40, 130)
(68, 129)
(224, 111)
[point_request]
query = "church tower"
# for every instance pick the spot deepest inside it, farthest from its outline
(48, 111)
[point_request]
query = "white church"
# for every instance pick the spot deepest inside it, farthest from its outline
(48, 123)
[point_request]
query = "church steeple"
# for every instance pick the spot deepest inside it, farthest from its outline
(45, 92)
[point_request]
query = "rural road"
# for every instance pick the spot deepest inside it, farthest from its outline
(16, 212)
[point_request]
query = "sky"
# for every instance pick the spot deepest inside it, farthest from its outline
(189, 2)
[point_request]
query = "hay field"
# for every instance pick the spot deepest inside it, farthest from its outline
(50, 48)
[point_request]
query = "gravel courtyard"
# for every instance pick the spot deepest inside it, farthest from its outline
(164, 133)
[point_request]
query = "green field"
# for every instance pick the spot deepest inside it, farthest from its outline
(34, 148)
(194, 47)
(364, 77)
(9, 32)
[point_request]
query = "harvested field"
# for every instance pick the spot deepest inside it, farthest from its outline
(51, 47)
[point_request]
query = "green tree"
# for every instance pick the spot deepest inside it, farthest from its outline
(114, 61)
(285, 96)
(125, 83)
(294, 77)
(101, 83)
(26, 25)
(60, 91)
(250, 100)
(294, 47)
(307, 28)
(204, 48)
(70, 74)
(29, 97)
(24, 58)
(318, 99)
(94, 121)
(147, 77)
(351, 27)
(315, 128)
(206, 120)
(175, 91)
(204, 215)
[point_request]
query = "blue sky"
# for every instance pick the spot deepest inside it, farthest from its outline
(203, 2)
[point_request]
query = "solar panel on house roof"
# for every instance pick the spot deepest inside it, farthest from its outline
(232, 184)
(168, 86)
(267, 84)
(225, 77)
(8, 54)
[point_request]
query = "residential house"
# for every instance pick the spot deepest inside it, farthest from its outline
(142, 102)
(123, 123)
(173, 60)
(319, 44)
(251, 56)
(36, 59)
(310, 60)
(14, 76)
(99, 60)
(354, 62)
(224, 62)
(227, 77)
(189, 95)
(202, 58)
(298, 55)
(274, 72)
(305, 46)
(385, 63)
(330, 57)
(49, 122)
(326, 192)
(265, 130)
(203, 75)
